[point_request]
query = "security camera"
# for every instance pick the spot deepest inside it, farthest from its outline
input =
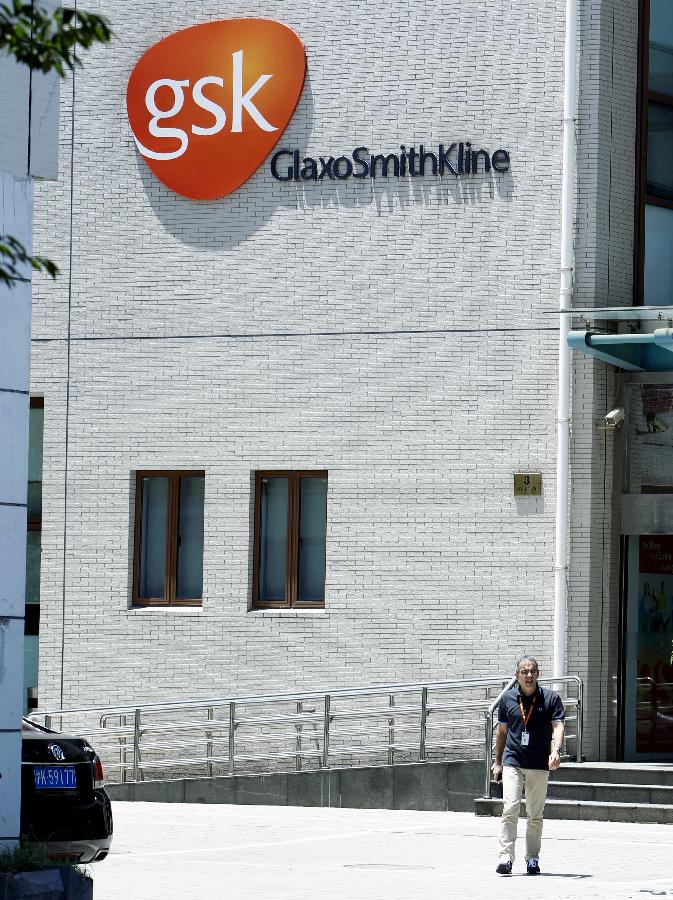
(614, 418)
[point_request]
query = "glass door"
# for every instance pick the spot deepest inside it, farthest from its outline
(647, 523)
(648, 732)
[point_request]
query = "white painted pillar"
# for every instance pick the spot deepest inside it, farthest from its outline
(16, 217)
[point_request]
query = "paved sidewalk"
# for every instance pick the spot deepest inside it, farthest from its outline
(167, 851)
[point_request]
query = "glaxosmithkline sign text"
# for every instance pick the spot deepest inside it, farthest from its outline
(458, 158)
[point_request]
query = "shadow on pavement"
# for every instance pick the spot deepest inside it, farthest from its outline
(547, 875)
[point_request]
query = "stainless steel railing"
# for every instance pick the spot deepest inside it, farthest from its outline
(382, 724)
(572, 700)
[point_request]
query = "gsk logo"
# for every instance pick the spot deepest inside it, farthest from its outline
(207, 104)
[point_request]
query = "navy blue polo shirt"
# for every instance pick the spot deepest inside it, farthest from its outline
(548, 709)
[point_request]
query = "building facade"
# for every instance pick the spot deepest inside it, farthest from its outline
(28, 150)
(281, 426)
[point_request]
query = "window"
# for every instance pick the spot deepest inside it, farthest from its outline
(654, 234)
(290, 535)
(168, 544)
(33, 553)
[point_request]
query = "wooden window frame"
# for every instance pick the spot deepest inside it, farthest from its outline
(170, 578)
(294, 477)
(643, 199)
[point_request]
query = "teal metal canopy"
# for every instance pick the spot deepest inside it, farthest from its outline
(634, 352)
(647, 351)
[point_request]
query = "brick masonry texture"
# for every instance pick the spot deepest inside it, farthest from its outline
(390, 332)
(604, 277)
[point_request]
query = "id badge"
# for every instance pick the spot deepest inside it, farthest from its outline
(525, 738)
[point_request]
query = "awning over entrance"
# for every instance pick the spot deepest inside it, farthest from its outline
(633, 352)
(644, 348)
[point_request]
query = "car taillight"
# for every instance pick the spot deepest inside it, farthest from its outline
(98, 777)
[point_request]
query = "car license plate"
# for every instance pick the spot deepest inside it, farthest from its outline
(55, 777)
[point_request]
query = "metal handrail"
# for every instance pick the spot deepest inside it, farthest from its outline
(420, 720)
(577, 702)
(195, 702)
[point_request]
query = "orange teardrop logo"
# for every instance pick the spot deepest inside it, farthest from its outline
(207, 104)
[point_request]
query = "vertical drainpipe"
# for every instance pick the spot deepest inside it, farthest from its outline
(564, 382)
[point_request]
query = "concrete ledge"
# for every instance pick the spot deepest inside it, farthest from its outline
(588, 811)
(441, 786)
(604, 792)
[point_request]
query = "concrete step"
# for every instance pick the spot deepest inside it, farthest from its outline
(616, 773)
(611, 793)
(588, 810)
(604, 792)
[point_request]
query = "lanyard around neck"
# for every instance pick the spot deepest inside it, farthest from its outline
(526, 718)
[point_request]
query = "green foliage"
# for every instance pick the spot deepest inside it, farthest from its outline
(48, 41)
(14, 256)
(24, 858)
(33, 857)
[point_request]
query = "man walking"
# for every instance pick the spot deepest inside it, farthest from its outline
(530, 732)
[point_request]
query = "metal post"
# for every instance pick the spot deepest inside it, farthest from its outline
(209, 746)
(122, 751)
(47, 722)
(325, 732)
(424, 716)
(232, 728)
(136, 744)
(580, 717)
(391, 732)
(488, 752)
(297, 759)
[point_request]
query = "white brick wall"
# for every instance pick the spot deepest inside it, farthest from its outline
(389, 332)
(604, 264)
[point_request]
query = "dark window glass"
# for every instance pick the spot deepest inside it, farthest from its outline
(35, 441)
(658, 280)
(33, 552)
(290, 538)
(31, 668)
(190, 539)
(33, 549)
(312, 535)
(660, 151)
(661, 47)
(153, 530)
(32, 620)
(273, 538)
(654, 236)
(169, 538)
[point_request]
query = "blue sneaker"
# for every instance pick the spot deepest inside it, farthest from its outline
(504, 868)
(533, 866)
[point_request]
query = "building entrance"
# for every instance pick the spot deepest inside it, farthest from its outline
(647, 528)
(648, 727)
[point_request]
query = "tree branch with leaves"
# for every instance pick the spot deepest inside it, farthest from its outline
(14, 258)
(45, 42)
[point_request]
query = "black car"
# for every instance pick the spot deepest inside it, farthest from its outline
(64, 805)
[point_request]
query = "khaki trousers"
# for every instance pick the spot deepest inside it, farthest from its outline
(513, 780)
